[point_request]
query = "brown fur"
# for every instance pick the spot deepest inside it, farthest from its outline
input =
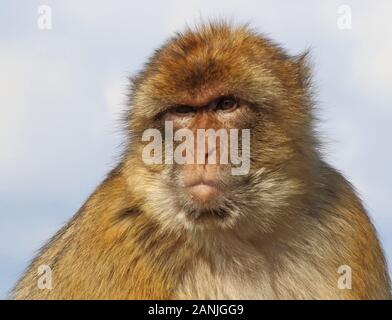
(292, 221)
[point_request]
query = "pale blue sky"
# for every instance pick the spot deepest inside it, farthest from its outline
(61, 92)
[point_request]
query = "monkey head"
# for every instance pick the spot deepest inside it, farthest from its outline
(221, 77)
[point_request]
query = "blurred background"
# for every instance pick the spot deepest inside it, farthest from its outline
(62, 91)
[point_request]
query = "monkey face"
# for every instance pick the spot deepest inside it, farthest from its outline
(222, 78)
(210, 122)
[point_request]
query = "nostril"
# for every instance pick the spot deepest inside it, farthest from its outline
(210, 156)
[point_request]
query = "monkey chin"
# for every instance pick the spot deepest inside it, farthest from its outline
(205, 206)
(208, 218)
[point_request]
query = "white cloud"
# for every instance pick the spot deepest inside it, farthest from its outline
(25, 79)
(372, 64)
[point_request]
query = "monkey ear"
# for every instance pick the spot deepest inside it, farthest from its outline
(303, 66)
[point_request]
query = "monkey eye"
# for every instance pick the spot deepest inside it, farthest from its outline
(183, 110)
(227, 104)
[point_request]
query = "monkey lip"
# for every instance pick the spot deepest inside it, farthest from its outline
(203, 191)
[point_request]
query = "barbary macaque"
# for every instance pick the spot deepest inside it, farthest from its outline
(168, 223)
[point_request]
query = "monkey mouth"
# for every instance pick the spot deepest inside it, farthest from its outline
(203, 191)
(205, 205)
(201, 181)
